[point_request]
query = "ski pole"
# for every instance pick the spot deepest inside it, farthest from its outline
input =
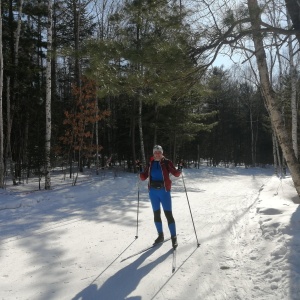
(187, 198)
(138, 208)
(138, 203)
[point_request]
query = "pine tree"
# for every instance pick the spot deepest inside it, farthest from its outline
(149, 62)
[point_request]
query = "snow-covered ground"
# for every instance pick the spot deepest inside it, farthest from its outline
(71, 242)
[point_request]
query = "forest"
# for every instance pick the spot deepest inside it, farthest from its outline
(99, 82)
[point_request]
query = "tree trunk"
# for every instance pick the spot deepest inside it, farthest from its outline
(155, 124)
(275, 157)
(174, 148)
(15, 56)
(1, 112)
(48, 99)
(269, 96)
(294, 12)
(141, 132)
(77, 11)
(252, 135)
(97, 138)
(132, 132)
(17, 33)
(294, 109)
(279, 155)
(8, 154)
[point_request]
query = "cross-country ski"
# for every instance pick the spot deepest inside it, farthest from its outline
(174, 260)
(146, 249)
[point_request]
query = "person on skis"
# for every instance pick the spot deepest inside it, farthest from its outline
(159, 186)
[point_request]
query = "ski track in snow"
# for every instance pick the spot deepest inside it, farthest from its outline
(69, 243)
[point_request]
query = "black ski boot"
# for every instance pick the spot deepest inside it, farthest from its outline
(160, 238)
(174, 242)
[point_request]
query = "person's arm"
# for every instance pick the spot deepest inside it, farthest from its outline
(173, 170)
(144, 174)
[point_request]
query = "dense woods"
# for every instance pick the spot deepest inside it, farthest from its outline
(99, 82)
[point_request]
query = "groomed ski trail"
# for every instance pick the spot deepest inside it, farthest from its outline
(80, 260)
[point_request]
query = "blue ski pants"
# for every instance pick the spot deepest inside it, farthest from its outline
(158, 198)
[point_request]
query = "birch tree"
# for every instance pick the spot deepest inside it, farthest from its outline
(48, 99)
(229, 24)
(294, 108)
(279, 160)
(269, 95)
(276, 79)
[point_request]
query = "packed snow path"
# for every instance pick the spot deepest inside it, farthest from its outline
(69, 243)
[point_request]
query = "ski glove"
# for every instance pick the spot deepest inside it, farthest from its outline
(139, 166)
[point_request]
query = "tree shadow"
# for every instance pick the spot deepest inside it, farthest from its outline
(122, 283)
(294, 255)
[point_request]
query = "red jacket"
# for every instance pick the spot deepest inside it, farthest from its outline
(167, 168)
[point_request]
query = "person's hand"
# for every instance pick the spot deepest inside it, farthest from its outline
(139, 166)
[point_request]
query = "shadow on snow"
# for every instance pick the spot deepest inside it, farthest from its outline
(123, 282)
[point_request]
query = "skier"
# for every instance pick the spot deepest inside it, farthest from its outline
(159, 185)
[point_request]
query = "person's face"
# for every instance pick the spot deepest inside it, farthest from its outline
(157, 155)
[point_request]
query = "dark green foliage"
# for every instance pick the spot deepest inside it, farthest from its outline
(241, 114)
(145, 55)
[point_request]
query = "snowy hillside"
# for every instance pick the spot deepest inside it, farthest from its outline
(74, 242)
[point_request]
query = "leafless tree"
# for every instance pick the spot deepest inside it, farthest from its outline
(270, 97)
(223, 25)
